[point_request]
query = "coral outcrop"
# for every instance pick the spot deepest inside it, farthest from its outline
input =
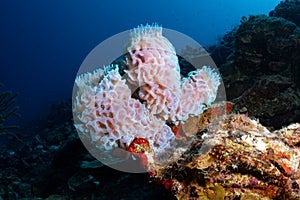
(261, 76)
(288, 9)
(235, 157)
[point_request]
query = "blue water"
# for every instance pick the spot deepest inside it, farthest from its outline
(43, 42)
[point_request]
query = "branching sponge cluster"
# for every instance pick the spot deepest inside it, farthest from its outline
(110, 116)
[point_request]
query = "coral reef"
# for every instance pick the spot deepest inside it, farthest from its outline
(266, 45)
(288, 9)
(7, 109)
(105, 112)
(272, 99)
(261, 76)
(235, 157)
(54, 164)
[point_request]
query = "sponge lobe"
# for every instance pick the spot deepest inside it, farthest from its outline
(153, 66)
(112, 118)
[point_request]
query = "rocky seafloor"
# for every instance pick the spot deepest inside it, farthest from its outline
(54, 164)
(250, 153)
(235, 157)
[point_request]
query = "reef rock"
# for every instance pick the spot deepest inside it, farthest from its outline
(262, 75)
(235, 157)
(273, 99)
(288, 9)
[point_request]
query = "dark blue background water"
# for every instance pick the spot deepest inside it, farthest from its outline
(43, 42)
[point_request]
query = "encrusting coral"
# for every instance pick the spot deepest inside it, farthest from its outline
(235, 157)
(105, 112)
(7, 100)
